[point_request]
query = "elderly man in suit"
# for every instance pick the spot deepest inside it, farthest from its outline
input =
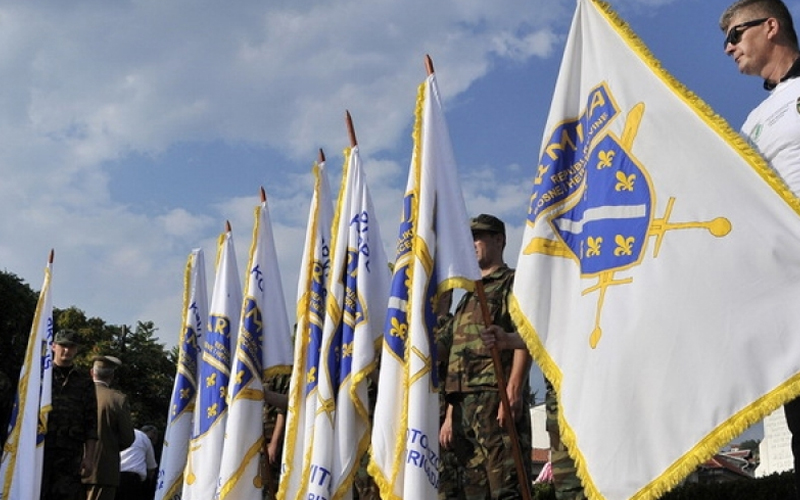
(114, 431)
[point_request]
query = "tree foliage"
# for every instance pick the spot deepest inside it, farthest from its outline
(16, 317)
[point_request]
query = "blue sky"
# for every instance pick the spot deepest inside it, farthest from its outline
(131, 131)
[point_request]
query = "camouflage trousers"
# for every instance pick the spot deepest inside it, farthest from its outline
(484, 455)
(451, 473)
(566, 483)
(364, 487)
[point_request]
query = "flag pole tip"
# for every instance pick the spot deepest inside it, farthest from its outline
(321, 156)
(429, 64)
(263, 195)
(227, 226)
(351, 131)
(51, 256)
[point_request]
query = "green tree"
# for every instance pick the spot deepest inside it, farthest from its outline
(16, 317)
(146, 375)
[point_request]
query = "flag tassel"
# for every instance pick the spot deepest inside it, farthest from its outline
(501, 388)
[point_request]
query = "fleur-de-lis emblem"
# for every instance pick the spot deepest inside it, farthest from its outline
(239, 376)
(174, 409)
(212, 411)
(223, 391)
(625, 181)
(211, 380)
(624, 245)
(540, 171)
(185, 392)
(594, 246)
(312, 374)
(347, 350)
(399, 330)
(317, 272)
(606, 159)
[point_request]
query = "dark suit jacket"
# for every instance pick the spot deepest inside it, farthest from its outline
(114, 433)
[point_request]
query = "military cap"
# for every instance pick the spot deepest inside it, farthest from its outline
(109, 361)
(67, 337)
(486, 222)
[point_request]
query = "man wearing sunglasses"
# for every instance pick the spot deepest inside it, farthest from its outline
(760, 37)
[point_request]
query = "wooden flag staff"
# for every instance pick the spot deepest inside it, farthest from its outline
(522, 474)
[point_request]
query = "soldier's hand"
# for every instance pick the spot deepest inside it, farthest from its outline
(446, 431)
(496, 336)
(515, 404)
(87, 467)
(273, 453)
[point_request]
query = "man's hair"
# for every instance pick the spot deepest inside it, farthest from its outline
(763, 8)
(102, 372)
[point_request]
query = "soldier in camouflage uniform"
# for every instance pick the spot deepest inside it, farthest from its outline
(364, 486)
(72, 424)
(566, 483)
(471, 386)
(274, 426)
(451, 475)
(565, 477)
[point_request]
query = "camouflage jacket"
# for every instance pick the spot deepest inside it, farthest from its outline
(470, 366)
(73, 419)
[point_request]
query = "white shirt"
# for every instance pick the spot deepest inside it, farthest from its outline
(773, 129)
(139, 457)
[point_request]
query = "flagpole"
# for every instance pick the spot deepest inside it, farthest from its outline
(429, 64)
(501, 387)
(266, 470)
(351, 132)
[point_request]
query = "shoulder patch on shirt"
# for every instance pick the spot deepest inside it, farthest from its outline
(756, 132)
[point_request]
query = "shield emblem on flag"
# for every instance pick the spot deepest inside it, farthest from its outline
(606, 222)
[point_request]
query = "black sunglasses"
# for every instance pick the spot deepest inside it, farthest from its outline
(734, 35)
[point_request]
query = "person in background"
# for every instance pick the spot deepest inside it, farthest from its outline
(114, 431)
(72, 424)
(153, 434)
(276, 399)
(137, 467)
(761, 39)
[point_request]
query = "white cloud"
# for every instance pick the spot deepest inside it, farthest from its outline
(87, 84)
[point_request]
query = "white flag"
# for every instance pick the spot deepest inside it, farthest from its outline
(264, 344)
(659, 272)
(311, 294)
(23, 453)
(435, 252)
(205, 448)
(358, 289)
(184, 391)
